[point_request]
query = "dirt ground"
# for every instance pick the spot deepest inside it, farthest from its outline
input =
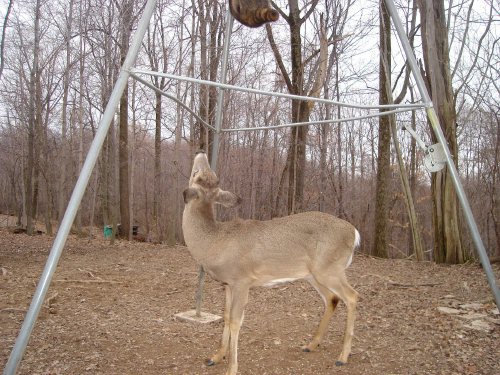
(110, 310)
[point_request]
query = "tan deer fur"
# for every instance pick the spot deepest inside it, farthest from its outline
(253, 13)
(242, 254)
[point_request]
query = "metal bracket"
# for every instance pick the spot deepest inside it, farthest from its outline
(435, 158)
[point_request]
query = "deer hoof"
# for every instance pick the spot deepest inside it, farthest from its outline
(309, 348)
(209, 362)
(339, 363)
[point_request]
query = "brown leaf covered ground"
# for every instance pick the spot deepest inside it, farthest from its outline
(110, 310)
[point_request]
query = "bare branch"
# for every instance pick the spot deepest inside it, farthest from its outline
(282, 14)
(309, 11)
(476, 55)
(279, 59)
(322, 63)
(4, 30)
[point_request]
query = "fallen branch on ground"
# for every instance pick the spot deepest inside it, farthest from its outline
(401, 285)
(88, 281)
(13, 309)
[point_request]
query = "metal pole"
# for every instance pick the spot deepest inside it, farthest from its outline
(215, 146)
(220, 94)
(171, 97)
(272, 93)
(436, 127)
(76, 197)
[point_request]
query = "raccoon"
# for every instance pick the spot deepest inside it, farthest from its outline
(253, 13)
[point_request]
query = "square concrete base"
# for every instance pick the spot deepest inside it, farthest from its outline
(190, 316)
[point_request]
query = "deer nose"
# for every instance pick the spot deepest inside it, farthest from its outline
(201, 161)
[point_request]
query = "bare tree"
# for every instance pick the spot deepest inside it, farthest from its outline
(210, 34)
(298, 84)
(126, 15)
(34, 118)
(384, 138)
(387, 127)
(4, 31)
(156, 49)
(447, 237)
(63, 192)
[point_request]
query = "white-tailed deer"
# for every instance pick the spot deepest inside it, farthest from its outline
(253, 13)
(242, 254)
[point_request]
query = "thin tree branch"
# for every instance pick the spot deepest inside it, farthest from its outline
(282, 14)
(309, 12)
(467, 24)
(476, 55)
(406, 68)
(279, 59)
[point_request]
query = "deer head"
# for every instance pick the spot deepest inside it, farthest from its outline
(204, 188)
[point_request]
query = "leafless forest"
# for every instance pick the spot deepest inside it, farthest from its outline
(60, 59)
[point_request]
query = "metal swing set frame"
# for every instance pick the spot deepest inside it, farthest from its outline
(439, 156)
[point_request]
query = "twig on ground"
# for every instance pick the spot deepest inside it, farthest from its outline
(401, 285)
(88, 281)
(88, 272)
(13, 309)
(50, 300)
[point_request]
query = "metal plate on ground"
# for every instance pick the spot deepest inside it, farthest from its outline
(204, 318)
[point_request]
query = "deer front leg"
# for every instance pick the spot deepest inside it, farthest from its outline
(221, 353)
(238, 302)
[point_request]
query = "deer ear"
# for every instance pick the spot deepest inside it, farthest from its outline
(227, 199)
(189, 194)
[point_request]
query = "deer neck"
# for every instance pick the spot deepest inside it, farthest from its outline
(199, 225)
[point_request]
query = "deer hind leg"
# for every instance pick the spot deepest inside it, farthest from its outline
(331, 301)
(221, 353)
(339, 286)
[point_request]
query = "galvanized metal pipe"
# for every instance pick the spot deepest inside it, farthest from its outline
(217, 133)
(171, 97)
(317, 122)
(220, 95)
(275, 94)
(436, 127)
(76, 197)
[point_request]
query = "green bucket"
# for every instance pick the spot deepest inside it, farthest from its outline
(108, 231)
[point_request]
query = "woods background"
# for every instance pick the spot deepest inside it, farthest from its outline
(60, 59)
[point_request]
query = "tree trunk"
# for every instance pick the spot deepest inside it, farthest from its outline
(298, 135)
(384, 140)
(123, 149)
(300, 111)
(410, 206)
(495, 194)
(447, 239)
(157, 168)
(201, 133)
(416, 244)
(62, 197)
(32, 126)
(340, 181)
